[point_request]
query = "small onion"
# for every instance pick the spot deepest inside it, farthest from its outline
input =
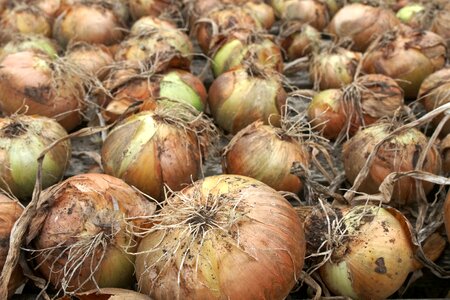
(240, 97)
(333, 67)
(406, 55)
(298, 39)
(26, 20)
(372, 250)
(362, 24)
(447, 215)
(154, 8)
(83, 237)
(91, 22)
(10, 211)
(265, 153)
(149, 23)
(32, 43)
(22, 139)
(398, 154)
(91, 59)
(262, 12)
(225, 237)
(37, 84)
(312, 12)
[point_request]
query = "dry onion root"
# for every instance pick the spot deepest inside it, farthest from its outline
(82, 237)
(22, 139)
(10, 211)
(298, 39)
(401, 153)
(221, 238)
(26, 19)
(154, 149)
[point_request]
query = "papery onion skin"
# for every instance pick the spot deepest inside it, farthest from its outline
(91, 59)
(262, 12)
(22, 140)
(80, 209)
(375, 259)
(263, 153)
(155, 8)
(10, 211)
(237, 99)
(147, 152)
(408, 56)
(26, 20)
(444, 147)
(447, 215)
(399, 154)
(264, 264)
(299, 42)
(28, 84)
(149, 23)
(312, 12)
(362, 23)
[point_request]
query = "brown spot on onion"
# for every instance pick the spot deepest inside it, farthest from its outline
(380, 268)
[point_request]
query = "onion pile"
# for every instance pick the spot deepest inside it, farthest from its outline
(223, 237)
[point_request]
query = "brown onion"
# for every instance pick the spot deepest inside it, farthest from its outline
(262, 12)
(240, 97)
(441, 23)
(265, 153)
(10, 211)
(149, 23)
(398, 154)
(37, 84)
(298, 39)
(82, 238)
(312, 12)
(26, 20)
(444, 147)
(154, 8)
(408, 56)
(447, 215)
(362, 24)
(91, 22)
(222, 238)
(109, 294)
(91, 59)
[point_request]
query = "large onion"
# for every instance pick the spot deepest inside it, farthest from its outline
(22, 139)
(83, 237)
(225, 237)
(408, 56)
(91, 59)
(298, 39)
(239, 97)
(362, 24)
(398, 154)
(26, 20)
(10, 211)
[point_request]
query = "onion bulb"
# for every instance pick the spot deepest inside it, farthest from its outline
(221, 238)
(10, 211)
(447, 216)
(154, 8)
(83, 236)
(22, 139)
(93, 60)
(398, 154)
(441, 23)
(444, 147)
(27, 19)
(312, 12)
(91, 22)
(149, 23)
(262, 12)
(37, 43)
(371, 250)
(408, 56)
(265, 153)
(298, 39)
(156, 148)
(362, 24)
(242, 96)
(409, 13)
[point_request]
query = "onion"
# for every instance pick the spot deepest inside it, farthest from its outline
(434, 92)
(372, 250)
(407, 55)
(312, 12)
(91, 22)
(362, 24)
(445, 154)
(298, 39)
(240, 97)
(154, 8)
(109, 294)
(149, 23)
(222, 238)
(156, 148)
(22, 140)
(26, 20)
(10, 211)
(410, 13)
(447, 216)
(241, 47)
(265, 153)
(82, 238)
(262, 12)
(399, 154)
(37, 84)
(91, 59)
(333, 67)
(441, 23)
(32, 43)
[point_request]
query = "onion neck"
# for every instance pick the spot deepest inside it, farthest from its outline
(14, 129)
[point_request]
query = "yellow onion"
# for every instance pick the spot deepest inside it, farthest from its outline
(152, 149)
(149, 23)
(27, 20)
(265, 153)
(242, 46)
(10, 211)
(407, 55)
(83, 236)
(91, 21)
(32, 43)
(362, 24)
(444, 147)
(312, 12)
(333, 67)
(398, 154)
(240, 97)
(36, 84)
(447, 215)
(22, 139)
(298, 39)
(154, 8)
(409, 13)
(224, 237)
(225, 19)
(372, 251)
(434, 92)
(91, 59)
(262, 12)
